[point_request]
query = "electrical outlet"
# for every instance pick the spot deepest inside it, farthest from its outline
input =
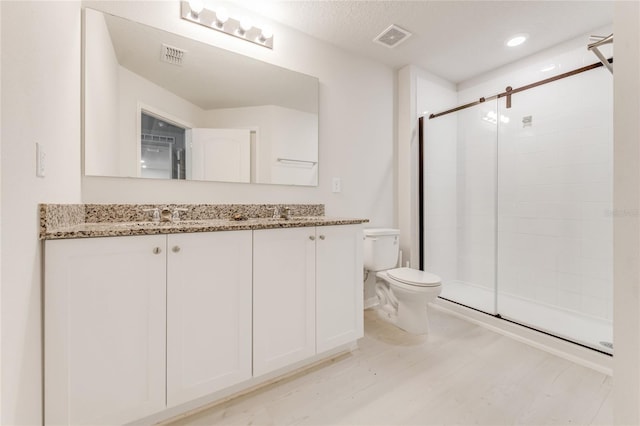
(336, 185)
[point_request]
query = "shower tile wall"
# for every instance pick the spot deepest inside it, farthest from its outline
(555, 195)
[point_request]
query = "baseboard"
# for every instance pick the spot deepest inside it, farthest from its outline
(371, 302)
(181, 411)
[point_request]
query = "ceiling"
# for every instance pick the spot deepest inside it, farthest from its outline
(456, 40)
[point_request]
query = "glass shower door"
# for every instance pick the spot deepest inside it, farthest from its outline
(555, 250)
(460, 204)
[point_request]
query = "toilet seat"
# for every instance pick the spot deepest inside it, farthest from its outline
(414, 277)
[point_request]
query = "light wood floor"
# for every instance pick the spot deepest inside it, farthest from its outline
(459, 374)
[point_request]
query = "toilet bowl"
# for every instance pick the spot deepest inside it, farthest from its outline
(403, 293)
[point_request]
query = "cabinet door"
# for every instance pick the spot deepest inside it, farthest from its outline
(208, 313)
(339, 293)
(283, 297)
(104, 329)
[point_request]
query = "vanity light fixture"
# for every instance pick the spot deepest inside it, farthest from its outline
(219, 20)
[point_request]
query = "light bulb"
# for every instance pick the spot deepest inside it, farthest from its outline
(246, 24)
(265, 35)
(222, 16)
(196, 6)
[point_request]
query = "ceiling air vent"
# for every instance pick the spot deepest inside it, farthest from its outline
(392, 36)
(172, 55)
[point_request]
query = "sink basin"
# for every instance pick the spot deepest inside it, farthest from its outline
(195, 222)
(132, 224)
(162, 224)
(291, 219)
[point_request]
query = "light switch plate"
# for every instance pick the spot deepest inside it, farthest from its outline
(40, 160)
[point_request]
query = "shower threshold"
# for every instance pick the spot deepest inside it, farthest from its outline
(590, 332)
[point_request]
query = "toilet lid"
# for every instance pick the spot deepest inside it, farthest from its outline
(414, 277)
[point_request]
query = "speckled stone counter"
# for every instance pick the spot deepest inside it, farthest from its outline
(63, 221)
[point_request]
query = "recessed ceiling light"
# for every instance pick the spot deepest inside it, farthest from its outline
(517, 40)
(548, 68)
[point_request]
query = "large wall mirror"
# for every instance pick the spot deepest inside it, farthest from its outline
(159, 105)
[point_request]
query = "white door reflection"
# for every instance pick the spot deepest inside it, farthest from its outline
(222, 155)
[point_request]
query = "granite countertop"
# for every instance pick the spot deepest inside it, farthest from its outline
(114, 229)
(64, 221)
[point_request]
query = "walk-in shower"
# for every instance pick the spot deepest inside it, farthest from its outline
(517, 197)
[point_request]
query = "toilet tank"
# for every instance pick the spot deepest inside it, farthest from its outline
(381, 248)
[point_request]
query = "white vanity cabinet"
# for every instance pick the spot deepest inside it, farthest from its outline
(122, 312)
(307, 293)
(104, 327)
(284, 267)
(339, 286)
(208, 313)
(135, 325)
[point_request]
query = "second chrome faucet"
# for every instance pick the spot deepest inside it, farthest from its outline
(281, 213)
(165, 214)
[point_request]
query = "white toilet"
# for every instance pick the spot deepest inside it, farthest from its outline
(403, 293)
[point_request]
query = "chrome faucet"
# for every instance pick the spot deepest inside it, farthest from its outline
(155, 212)
(165, 214)
(284, 213)
(175, 216)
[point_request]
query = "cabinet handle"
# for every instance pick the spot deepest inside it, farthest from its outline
(312, 238)
(175, 249)
(157, 250)
(322, 237)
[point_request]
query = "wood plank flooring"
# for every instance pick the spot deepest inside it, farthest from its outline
(458, 374)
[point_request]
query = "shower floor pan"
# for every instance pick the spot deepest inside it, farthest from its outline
(595, 333)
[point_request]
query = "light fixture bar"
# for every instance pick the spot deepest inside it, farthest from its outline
(220, 21)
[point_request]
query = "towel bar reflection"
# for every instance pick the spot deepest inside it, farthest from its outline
(294, 161)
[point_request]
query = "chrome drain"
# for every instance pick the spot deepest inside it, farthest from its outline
(607, 345)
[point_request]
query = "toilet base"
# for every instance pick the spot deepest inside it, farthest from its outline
(406, 309)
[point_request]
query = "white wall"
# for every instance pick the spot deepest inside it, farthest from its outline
(626, 320)
(355, 126)
(40, 103)
(293, 136)
(101, 97)
(440, 175)
(1, 316)
(406, 166)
